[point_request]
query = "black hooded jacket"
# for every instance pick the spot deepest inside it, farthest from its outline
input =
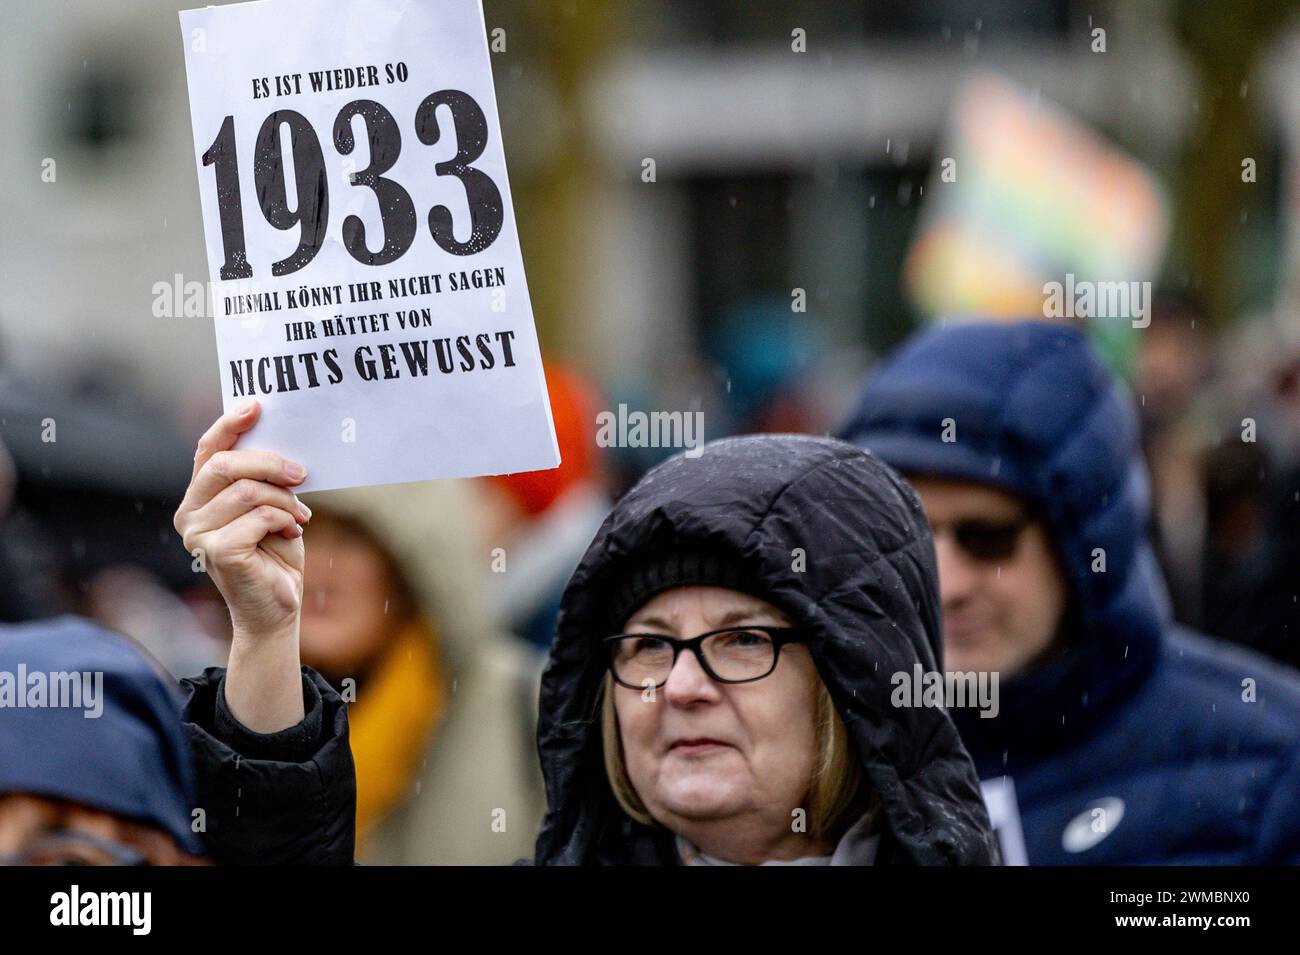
(828, 533)
(839, 543)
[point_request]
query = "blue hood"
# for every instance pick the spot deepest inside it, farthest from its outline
(1036, 414)
(130, 760)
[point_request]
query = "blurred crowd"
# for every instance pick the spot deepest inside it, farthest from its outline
(1219, 411)
(1221, 438)
(432, 623)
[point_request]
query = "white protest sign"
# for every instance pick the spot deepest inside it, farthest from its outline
(368, 284)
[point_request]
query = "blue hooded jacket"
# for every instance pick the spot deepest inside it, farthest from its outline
(1142, 743)
(119, 749)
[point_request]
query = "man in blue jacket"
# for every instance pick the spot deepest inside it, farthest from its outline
(1119, 738)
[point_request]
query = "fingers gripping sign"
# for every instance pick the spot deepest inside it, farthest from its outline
(241, 514)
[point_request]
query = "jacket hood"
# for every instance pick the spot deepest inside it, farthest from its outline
(481, 756)
(130, 759)
(865, 591)
(429, 531)
(1032, 411)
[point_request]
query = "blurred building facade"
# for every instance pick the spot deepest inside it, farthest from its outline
(773, 169)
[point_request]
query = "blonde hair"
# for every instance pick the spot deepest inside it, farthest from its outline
(836, 793)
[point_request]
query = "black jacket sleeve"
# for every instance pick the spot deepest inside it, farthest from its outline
(275, 798)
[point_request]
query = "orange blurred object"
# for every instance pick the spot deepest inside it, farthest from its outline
(575, 402)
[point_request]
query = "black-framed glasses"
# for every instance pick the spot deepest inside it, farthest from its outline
(731, 655)
(986, 540)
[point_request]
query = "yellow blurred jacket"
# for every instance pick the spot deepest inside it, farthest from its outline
(445, 737)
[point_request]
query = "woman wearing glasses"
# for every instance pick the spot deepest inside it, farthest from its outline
(718, 690)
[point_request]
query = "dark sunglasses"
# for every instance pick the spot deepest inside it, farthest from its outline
(990, 540)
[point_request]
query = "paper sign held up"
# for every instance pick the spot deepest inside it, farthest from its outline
(368, 284)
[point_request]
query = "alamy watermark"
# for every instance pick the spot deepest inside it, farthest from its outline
(1087, 299)
(75, 907)
(654, 429)
(57, 689)
(930, 688)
